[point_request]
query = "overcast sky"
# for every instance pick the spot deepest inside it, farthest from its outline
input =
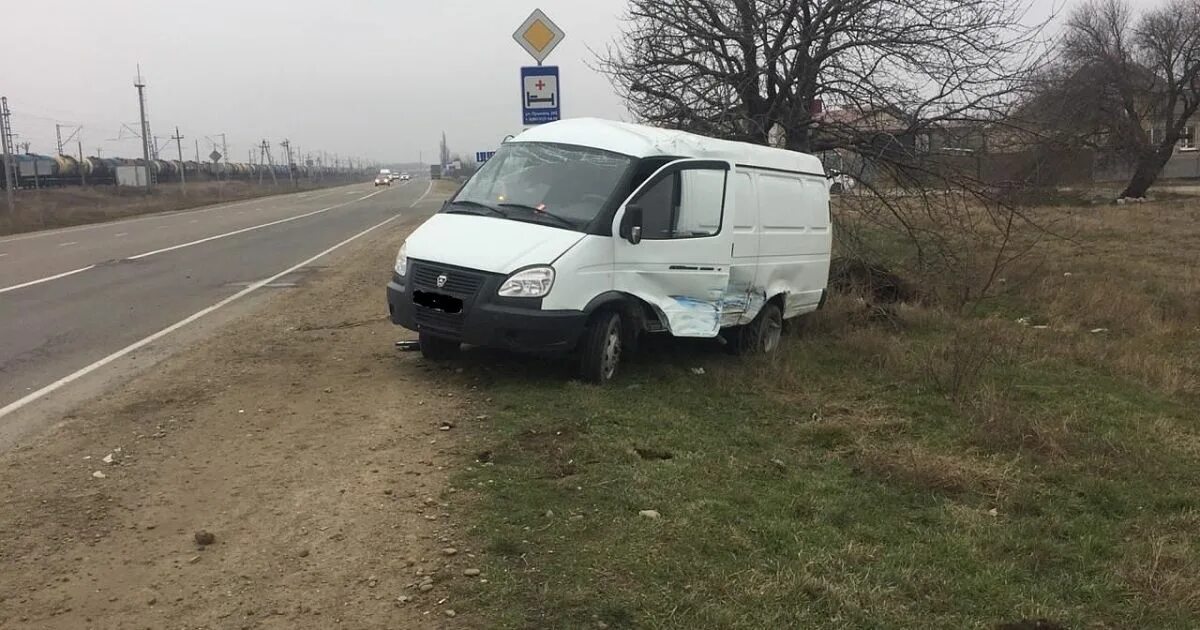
(372, 79)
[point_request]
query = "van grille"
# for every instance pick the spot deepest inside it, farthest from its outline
(459, 282)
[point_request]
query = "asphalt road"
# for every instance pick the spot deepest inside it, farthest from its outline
(82, 305)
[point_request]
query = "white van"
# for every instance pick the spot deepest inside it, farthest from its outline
(582, 234)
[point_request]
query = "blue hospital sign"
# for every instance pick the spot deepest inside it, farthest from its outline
(540, 98)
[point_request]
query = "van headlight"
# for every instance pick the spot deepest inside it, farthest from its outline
(402, 260)
(534, 282)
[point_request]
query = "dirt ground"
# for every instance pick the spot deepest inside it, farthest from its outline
(312, 450)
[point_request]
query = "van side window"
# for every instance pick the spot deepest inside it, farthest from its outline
(685, 204)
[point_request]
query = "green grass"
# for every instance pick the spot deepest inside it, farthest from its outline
(830, 487)
(924, 468)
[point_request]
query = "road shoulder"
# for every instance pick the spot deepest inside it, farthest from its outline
(314, 453)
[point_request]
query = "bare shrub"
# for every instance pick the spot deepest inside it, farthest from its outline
(956, 365)
(1000, 425)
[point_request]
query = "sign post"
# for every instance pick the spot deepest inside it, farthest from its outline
(541, 101)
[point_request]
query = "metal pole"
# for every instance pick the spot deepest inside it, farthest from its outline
(82, 175)
(58, 135)
(287, 147)
(145, 127)
(179, 147)
(4, 140)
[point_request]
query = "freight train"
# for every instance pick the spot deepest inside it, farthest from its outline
(36, 171)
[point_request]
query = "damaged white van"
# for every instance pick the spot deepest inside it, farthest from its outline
(581, 235)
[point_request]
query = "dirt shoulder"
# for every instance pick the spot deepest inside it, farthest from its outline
(300, 438)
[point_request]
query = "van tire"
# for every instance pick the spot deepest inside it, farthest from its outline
(438, 348)
(760, 336)
(603, 344)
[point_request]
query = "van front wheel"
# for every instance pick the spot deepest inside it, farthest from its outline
(600, 352)
(760, 336)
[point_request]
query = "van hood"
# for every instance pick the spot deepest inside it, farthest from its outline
(488, 244)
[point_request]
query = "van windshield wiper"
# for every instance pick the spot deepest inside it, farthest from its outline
(476, 204)
(539, 212)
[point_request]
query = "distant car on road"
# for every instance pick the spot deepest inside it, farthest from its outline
(404, 177)
(383, 180)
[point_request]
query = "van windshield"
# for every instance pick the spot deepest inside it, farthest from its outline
(555, 184)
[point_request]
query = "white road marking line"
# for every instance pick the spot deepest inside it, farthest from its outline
(158, 215)
(84, 371)
(68, 243)
(163, 227)
(47, 279)
(2, 255)
(248, 229)
(120, 234)
(423, 195)
(194, 221)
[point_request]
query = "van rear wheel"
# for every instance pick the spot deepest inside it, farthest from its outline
(600, 352)
(438, 348)
(760, 336)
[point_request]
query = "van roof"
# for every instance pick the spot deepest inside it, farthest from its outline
(641, 141)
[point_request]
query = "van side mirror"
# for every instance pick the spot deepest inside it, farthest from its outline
(631, 224)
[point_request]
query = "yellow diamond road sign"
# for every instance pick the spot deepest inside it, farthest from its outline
(538, 35)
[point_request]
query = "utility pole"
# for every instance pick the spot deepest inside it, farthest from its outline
(141, 86)
(266, 154)
(82, 172)
(6, 141)
(287, 147)
(197, 141)
(178, 138)
(62, 144)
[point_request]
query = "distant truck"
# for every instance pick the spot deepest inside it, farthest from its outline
(435, 171)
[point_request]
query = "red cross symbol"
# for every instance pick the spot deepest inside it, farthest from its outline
(540, 85)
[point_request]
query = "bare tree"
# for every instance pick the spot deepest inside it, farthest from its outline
(1126, 75)
(750, 68)
(867, 81)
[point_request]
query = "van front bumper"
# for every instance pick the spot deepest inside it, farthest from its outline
(486, 319)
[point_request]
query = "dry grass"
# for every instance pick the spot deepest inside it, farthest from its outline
(919, 467)
(1129, 273)
(62, 207)
(1161, 569)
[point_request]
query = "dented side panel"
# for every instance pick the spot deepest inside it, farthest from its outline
(684, 279)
